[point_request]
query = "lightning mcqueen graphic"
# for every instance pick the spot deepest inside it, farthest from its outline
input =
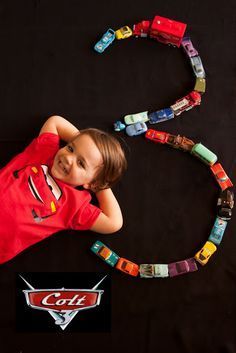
(43, 188)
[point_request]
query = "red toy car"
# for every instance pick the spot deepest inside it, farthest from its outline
(127, 266)
(141, 29)
(157, 136)
(221, 177)
(186, 103)
(167, 31)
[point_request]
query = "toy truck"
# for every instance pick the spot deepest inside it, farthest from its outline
(186, 103)
(141, 29)
(167, 31)
(180, 142)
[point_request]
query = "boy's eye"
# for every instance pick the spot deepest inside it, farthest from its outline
(80, 163)
(69, 148)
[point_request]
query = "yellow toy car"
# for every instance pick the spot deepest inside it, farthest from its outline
(205, 253)
(123, 32)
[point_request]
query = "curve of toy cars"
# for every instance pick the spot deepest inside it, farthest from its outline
(171, 32)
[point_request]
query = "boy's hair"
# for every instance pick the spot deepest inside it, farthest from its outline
(113, 156)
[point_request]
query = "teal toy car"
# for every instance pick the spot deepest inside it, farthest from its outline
(106, 254)
(105, 41)
(204, 154)
(217, 231)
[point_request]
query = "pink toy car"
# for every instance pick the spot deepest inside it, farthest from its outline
(221, 177)
(188, 47)
(186, 103)
(157, 136)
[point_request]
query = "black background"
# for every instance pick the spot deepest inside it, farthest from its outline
(168, 198)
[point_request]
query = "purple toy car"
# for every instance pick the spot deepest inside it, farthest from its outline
(188, 47)
(181, 267)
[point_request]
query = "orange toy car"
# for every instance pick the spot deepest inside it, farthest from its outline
(127, 266)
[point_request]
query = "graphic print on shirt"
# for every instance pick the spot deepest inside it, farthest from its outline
(43, 191)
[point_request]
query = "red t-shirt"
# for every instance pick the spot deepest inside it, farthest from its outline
(33, 204)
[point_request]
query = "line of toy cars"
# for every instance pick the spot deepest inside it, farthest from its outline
(136, 123)
(169, 32)
(110, 35)
(225, 204)
(160, 28)
(145, 270)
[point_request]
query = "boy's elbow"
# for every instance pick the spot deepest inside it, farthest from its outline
(116, 226)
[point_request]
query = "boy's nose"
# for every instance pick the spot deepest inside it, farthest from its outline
(68, 160)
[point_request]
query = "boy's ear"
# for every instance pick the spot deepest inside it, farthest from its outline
(92, 186)
(86, 186)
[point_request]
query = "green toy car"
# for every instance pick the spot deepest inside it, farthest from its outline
(105, 253)
(204, 154)
(136, 118)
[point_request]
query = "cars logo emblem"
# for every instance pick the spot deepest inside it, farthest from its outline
(63, 304)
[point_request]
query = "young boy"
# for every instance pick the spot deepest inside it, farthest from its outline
(37, 187)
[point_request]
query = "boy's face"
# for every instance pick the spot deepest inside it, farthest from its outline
(78, 162)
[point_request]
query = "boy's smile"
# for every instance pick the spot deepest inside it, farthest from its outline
(78, 162)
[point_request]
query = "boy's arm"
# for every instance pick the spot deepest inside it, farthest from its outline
(110, 219)
(60, 126)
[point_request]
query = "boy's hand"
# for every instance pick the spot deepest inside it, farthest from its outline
(60, 126)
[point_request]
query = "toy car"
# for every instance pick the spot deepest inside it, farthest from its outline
(161, 115)
(105, 253)
(221, 177)
(200, 85)
(188, 47)
(225, 204)
(197, 66)
(127, 266)
(217, 231)
(204, 154)
(119, 126)
(205, 253)
(181, 267)
(180, 142)
(123, 32)
(105, 41)
(167, 31)
(186, 103)
(157, 136)
(161, 270)
(153, 270)
(136, 118)
(146, 270)
(141, 29)
(136, 129)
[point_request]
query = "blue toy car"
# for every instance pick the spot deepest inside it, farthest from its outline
(105, 41)
(136, 129)
(217, 231)
(161, 115)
